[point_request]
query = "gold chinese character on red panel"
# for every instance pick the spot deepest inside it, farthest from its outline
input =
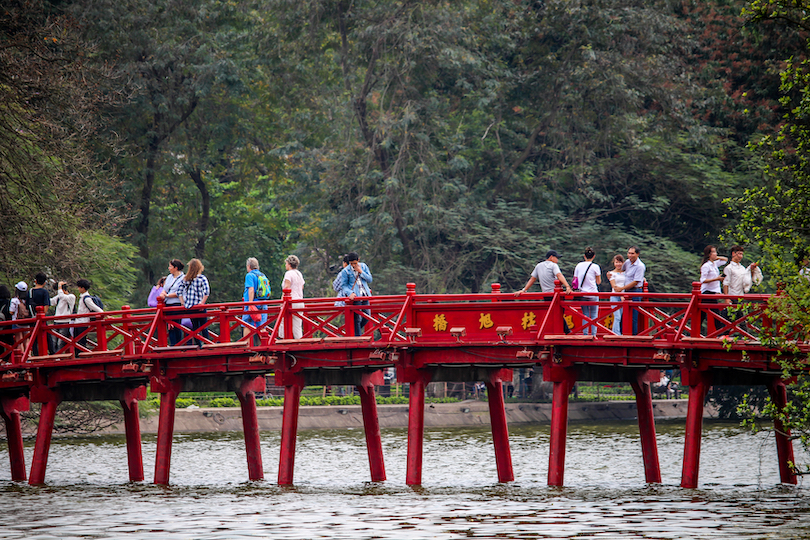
(529, 320)
(440, 323)
(486, 321)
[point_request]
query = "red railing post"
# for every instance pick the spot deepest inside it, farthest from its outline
(784, 445)
(500, 429)
(558, 319)
(10, 408)
(129, 348)
(42, 331)
(162, 337)
(694, 316)
(223, 315)
(286, 324)
(101, 332)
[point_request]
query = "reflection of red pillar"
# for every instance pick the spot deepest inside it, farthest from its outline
(289, 426)
(250, 425)
(169, 390)
(563, 379)
(699, 383)
(416, 424)
(784, 446)
(44, 433)
(371, 424)
(646, 427)
(129, 404)
(10, 410)
(500, 430)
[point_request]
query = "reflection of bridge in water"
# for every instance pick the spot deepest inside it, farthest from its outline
(461, 337)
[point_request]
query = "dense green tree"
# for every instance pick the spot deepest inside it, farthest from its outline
(57, 206)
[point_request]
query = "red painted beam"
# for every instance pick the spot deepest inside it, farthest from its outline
(43, 444)
(699, 383)
(371, 424)
(646, 426)
(169, 390)
(132, 427)
(289, 430)
(500, 430)
(11, 409)
(250, 425)
(784, 445)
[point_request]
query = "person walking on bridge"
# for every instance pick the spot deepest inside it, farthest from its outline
(588, 274)
(294, 280)
(546, 272)
(171, 296)
(257, 287)
(634, 279)
(355, 282)
(194, 293)
(739, 278)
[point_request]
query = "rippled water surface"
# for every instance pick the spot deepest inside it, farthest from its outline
(87, 495)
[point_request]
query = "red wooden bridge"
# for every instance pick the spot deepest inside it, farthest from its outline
(464, 337)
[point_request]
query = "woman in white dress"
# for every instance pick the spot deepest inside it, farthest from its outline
(616, 278)
(294, 280)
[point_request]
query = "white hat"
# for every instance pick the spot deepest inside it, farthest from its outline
(21, 286)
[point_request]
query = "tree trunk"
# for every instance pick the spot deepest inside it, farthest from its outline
(196, 176)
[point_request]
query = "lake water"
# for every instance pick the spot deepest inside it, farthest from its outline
(87, 495)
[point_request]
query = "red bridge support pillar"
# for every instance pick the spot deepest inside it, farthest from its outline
(563, 379)
(699, 383)
(418, 380)
(784, 446)
(169, 389)
(132, 426)
(371, 424)
(250, 425)
(646, 424)
(500, 430)
(293, 384)
(10, 410)
(50, 400)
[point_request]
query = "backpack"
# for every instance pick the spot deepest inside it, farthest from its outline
(263, 290)
(96, 300)
(23, 312)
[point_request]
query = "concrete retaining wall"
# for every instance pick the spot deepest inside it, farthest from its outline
(465, 413)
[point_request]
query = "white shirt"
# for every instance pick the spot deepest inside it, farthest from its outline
(587, 281)
(739, 278)
(64, 304)
(296, 279)
(85, 307)
(710, 270)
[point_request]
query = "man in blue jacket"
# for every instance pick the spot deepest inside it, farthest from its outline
(355, 282)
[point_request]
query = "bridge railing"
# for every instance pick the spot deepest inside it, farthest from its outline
(392, 320)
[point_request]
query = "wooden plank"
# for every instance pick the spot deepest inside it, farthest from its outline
(347, 338)
(242, 343)
(50, 357)
(628, 338)
(113, 352)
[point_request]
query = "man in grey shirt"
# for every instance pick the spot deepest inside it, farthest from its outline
(546, 272)
(634, 279)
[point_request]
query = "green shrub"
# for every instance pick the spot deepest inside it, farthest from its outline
(223, 402)
(183, 403)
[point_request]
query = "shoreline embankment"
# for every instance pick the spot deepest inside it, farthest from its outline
(460, 414)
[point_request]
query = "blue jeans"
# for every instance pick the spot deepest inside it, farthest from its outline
(635, 311)
(592, 312)
(359, 320)
(617, 316)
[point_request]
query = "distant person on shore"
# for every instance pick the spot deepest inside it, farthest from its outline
(634, 270)
(194, 293)
(294, 280)
(616, 278)
(588, 275)
(171, 296)
(355, 284)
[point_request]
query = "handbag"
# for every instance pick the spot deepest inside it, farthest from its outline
(253, 311)
(575, 281)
